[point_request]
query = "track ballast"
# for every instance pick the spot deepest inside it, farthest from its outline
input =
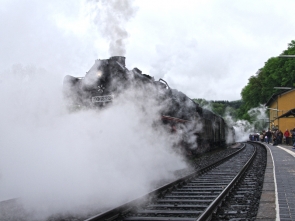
(194, 197)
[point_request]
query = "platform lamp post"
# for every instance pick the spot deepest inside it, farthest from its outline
(286, 56)
(284, 88)
(273, 117)
(265, 122)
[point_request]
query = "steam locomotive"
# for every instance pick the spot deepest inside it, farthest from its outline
(109, 78)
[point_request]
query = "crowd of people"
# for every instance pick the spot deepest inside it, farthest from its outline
(275, 137)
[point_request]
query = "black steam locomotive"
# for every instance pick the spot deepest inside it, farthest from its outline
(109, 78)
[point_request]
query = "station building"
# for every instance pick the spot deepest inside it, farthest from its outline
(281, 108)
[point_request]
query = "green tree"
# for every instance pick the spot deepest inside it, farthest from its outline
(221, 108)
(277, 72)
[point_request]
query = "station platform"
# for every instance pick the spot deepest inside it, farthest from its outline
(278, 195)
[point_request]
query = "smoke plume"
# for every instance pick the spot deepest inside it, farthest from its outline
(111, 17)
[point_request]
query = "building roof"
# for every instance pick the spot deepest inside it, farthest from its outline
(290, 113)
(274, 96)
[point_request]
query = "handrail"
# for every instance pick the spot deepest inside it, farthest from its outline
(164, 82)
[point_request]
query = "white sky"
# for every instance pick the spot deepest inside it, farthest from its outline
(204, 48)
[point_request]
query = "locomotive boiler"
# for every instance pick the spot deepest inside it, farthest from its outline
(107, 79)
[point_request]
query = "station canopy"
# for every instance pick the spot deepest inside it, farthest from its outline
(290, 113)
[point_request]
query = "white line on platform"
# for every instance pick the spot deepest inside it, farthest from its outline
(288, 151)
(276, 188)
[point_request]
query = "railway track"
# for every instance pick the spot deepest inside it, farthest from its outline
(194, 197)
(243, 201)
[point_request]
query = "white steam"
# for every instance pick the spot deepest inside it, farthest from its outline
(57, 161)
(111, 17)
(243, 128)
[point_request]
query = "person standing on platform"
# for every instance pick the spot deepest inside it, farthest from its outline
(268, 136)
(287, 135)
(280, 137)
(293, 138)
(261, 137)
(274, 139)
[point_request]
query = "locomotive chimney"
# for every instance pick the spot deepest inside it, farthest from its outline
(119, 59)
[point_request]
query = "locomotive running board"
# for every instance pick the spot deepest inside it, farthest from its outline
(175, 119)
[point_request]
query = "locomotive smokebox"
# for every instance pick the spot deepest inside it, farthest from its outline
(119, 59)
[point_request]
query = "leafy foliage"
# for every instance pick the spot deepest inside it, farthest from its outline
(221, 108)
(277, 72)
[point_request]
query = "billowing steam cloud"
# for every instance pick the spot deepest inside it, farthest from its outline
(243, 128)
(111, 17)
(60, 162)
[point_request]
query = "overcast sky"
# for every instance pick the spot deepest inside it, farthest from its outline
(204, 48)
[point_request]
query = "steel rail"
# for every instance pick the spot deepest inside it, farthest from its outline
(123, 209)
(207, 214)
